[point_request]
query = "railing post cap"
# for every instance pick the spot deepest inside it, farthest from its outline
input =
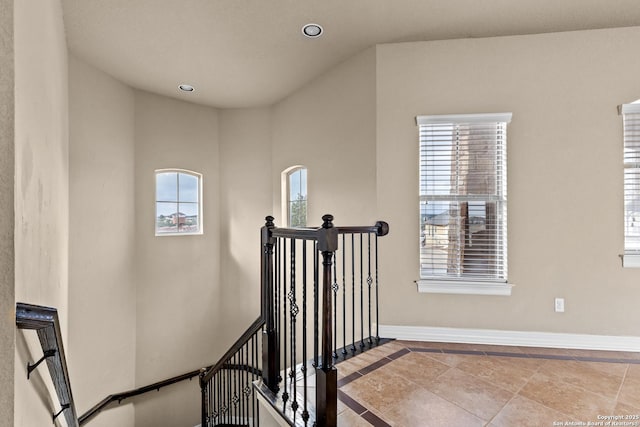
(328, 221)
(383, 228)
(269, 221)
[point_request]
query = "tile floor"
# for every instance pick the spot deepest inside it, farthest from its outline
(415, 384)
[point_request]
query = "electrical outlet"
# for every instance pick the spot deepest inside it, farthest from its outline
(559, 305)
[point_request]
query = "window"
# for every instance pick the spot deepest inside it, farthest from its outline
(294, 195)
(178, 208)
(631, 126)
(463, 203)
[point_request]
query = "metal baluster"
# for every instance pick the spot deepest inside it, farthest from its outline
(246, 388)
(256, 405)
(344, 297)
(204, 409)
(229, 395)
(203, 401)
(212, 407)
(238, 376)
(353, 295)
(377, 300)
(294, 313)
(285, 393)
(222, 412)
(252, 378)
(216, 399)
(222, 397)
(277, 299)
(369, 282)
(236, 390)
(361, 297)
(315, 304)
(215, 415)
(305, 412)
(245, 382)
(335, 288)
(218, 393)
(214, 395)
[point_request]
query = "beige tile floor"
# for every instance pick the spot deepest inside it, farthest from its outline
(415, 384)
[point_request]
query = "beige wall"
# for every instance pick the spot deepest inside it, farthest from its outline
(41, 189)
(178, 277)
(245, 199)
(329, 127)
(565, 175)
(354, 129)
(7, 260)
(102, 291)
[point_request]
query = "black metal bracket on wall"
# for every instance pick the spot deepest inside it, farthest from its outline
(47, 354)
(44, 321)
(65, 406)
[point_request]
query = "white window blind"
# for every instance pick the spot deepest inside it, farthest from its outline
(631, 124)
(463, 197)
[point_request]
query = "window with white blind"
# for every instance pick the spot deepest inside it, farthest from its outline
(631, 125)
(463, 203)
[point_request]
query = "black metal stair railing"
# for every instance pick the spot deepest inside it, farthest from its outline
(320, 291)
(228, 396)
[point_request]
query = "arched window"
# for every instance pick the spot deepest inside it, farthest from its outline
(294, 196)
(178, 202)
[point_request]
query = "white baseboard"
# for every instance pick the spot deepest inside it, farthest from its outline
(512, 338)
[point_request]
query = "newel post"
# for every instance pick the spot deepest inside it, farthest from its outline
(326, 373)
(270, 350)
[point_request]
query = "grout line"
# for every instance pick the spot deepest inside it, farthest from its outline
(376, 421)
(624, 378)
(501, 409)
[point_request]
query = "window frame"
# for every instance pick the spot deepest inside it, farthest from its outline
(630, 257)
(286, 200)
(464, 284)
(179, 171)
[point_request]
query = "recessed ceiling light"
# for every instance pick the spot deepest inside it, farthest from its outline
(186, 88)
(312, 31)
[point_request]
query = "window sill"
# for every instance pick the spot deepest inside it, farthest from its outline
(464, 288)
(198, 233)
(630, 260)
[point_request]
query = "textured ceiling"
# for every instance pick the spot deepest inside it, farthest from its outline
(243, 53)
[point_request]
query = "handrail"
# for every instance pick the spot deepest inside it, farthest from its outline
(380, 228)
(44, 320)
(287, 269)
(240, 342)
(119, 397)
(235, 372)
